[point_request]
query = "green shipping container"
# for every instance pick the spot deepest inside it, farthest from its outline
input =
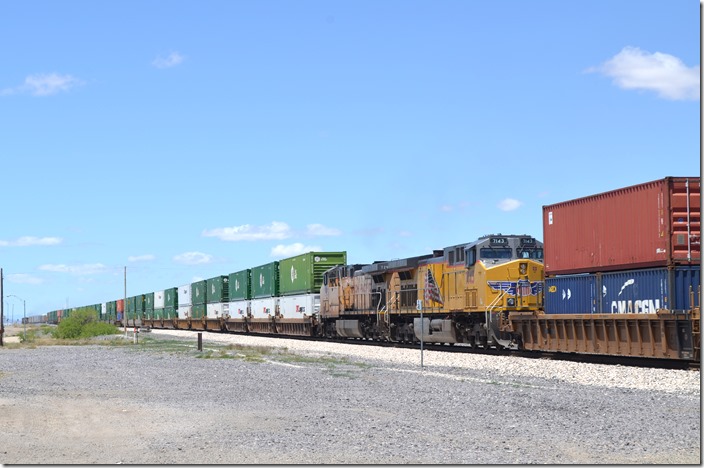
(130, 309)
(218, 289)
(149, 302)
(265, 280)
(199, 292)
(139, 305)
(303, 274)
(198, 311)
(171, 298)
(240, 284)
(170, 312)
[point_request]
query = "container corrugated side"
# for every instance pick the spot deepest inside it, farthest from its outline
(265, 280)
(218, 289)
(572, 294)
(303, 274)
(647, 290)
(199, 292)
(149, 302)
(685, 279)
(171, 297)
(647, 225)
(158, 299)
(240, 285)
(139, 302)
(199, 310)
(184, 295)
(170, 312)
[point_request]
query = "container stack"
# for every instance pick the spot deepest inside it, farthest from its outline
(217, 303)
(170, 303)
(158, 305)
(265, 290)
(300, 280)
(149, 306)
(631, 250)
(184, 301)
(240, 293)
(199, 299)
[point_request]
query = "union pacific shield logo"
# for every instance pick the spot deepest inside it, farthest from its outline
(526, 288)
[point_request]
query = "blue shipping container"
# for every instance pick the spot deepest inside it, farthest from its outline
(684, 277)
(645, 291)
(571, 294)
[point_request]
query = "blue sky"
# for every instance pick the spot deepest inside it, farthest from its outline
(185, 140)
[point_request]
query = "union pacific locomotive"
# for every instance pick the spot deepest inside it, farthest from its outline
(464, 293)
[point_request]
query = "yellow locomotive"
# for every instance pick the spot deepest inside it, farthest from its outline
(460, 294)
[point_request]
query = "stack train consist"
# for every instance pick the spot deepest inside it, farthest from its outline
(618, 274)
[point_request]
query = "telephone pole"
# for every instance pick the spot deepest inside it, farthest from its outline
(2, 316)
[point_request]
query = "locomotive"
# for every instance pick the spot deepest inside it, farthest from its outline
(460, 294)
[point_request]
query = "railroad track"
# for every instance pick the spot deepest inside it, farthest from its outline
(628, 361)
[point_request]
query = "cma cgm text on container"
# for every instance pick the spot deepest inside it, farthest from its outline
(643, 291)
(653, 224)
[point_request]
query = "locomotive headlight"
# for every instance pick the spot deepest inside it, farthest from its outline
(511, 302)
(523, 268)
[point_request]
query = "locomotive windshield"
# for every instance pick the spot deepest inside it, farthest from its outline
(490, 253)
(535, 254)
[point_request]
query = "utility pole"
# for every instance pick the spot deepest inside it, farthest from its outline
(2, 317)
(124, 305)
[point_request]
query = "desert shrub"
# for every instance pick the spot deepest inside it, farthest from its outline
(83, 324)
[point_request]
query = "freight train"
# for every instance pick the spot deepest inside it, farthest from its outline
(588, 290)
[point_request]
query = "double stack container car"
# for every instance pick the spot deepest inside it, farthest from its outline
(631, 250)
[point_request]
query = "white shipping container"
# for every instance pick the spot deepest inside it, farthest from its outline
(238, 309)
(184, 311)
(184, 295)
(217, 310)
(103, 309)
(265, 307)
(300, 306)
(159, 299)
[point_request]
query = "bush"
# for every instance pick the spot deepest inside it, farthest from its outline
(83, 324)
(98, 329)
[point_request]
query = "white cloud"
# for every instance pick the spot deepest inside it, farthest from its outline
(274, 231)
(665, 74)
(193, 258)
(44, 85)
(282, 251)
(86, 269)
(140, 258)
(26, 241)
(320, 230)
(22, 278)
(509, 204)
(173, 59)
(446, 208)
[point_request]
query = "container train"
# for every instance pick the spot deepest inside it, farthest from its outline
(582, 292)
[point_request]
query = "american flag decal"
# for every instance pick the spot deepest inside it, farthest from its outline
(432, 292)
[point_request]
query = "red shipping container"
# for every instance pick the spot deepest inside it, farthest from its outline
(647, 225)
(120, 305)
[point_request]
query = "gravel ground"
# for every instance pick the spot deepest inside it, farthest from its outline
(326, 403)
